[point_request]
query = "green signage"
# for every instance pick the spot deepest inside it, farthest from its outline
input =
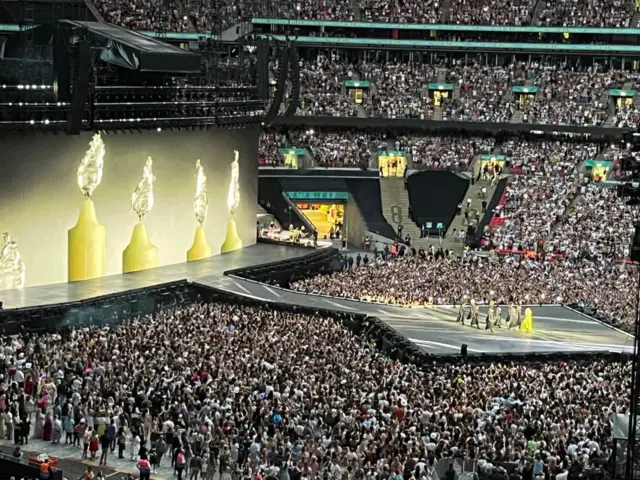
(13, 27)
(487, 156)
(288, 151)
(337, 41)
(523, 89)
(448, 28)
(592, 163)
(357, 84)
(622, 93)
(440, 86)
(318, 195)
(391, 153)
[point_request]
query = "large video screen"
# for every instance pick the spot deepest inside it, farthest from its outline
(40, 199)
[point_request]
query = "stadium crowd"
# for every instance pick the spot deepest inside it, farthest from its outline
(603, 287)
(171, 15)
(147, 15)
(627, 116)
(538, 197)
(491, 12)
(353, 148)
(322, 88)
(599, 226)
(398, 11)
(344, 149)
(444, 152)
(243, 389)
(594, 13)
(399, 89)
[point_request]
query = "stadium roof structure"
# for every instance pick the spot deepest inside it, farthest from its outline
(129, 49)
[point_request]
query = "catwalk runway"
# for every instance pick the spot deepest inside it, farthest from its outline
(205, 271)
(556, 329)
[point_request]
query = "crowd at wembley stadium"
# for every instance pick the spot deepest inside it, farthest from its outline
(221, 389)
(585, 229)
(244, 390)
(200, 15)
(558, 93)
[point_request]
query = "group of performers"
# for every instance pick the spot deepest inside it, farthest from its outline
(469, 311)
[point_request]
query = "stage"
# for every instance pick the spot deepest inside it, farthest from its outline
(556, 328)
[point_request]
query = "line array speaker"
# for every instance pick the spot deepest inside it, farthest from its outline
(294, 77)
(80, 87)
(283, 70)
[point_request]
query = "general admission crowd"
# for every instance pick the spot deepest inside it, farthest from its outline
(251, 390)
(202, 15)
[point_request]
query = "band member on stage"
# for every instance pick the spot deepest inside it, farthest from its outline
(499, 317)
(462, 311)
(490, 320)
(474, 314)
(513, 316)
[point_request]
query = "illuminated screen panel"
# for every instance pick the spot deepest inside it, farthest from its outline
(40, 199)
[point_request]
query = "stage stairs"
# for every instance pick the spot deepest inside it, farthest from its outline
(395, 208)
(451, 241)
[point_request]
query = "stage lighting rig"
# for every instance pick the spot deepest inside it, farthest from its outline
(178, 104)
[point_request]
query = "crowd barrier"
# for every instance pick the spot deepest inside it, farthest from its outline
(101, 310)
(21, 468)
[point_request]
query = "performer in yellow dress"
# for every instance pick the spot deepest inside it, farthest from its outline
(527, 324)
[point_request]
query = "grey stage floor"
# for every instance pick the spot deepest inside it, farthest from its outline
(556, 329)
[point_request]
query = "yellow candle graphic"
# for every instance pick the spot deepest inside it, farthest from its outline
(141, 254)
(87, 241)
(12, 269)
(232, 240)
(200, 248)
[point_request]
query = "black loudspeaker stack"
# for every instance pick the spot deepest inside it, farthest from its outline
(80, 87)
